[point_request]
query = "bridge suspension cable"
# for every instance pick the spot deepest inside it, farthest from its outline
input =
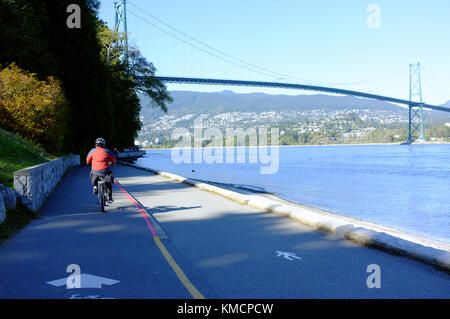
(248, 65)
(441, 92)
(198, 48)
(415, 102)
(228, 58)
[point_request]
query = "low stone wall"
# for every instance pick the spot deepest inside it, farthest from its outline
(37, 182)
(5, 201)
(8, 200)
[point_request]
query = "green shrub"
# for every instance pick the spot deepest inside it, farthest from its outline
(36, 110)
(17, 153)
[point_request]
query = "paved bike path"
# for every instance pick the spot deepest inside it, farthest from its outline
(115, 245)
(236, 249)
(225, 249)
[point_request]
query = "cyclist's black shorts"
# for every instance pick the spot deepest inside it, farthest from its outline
(106, 176)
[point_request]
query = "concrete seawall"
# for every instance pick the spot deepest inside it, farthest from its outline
(36, 183)
(365, 233)
(131, 154)
(8, 200)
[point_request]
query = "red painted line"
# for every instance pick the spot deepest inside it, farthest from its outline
(140, 209)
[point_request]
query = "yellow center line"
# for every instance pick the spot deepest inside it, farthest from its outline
(177, 269)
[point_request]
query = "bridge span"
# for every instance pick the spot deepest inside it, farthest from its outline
(187, 80)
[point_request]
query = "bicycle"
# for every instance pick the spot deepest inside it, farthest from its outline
(102, 195)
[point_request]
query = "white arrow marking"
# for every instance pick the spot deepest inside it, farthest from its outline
(86, 281)
(286, 255)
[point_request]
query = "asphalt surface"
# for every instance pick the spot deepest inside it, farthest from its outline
(226, 250)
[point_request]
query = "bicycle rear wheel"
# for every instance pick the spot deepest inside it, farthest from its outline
(102, 204)
(101, 197)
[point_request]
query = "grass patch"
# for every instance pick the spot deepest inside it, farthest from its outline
(17, 153)
(15, 220)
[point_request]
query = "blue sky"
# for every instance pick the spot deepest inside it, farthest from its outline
(321, 42)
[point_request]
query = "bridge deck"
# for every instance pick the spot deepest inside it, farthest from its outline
(297, 87)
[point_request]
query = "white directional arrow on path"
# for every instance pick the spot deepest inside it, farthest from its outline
(286, 255)
(87, 281)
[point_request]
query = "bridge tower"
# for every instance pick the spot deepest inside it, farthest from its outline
(415, 130)
(120, 27)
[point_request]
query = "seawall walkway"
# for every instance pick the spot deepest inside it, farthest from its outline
(165, 239)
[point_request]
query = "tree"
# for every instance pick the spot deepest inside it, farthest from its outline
(138, 68)
(143, 74)
(108, 38)
(21, 40)
(100, 90)
(36, 110)
(130, 78)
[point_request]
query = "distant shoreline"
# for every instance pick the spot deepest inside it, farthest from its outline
(301, 145)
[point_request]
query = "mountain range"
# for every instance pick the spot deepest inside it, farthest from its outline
(227, 101)
(213, 103)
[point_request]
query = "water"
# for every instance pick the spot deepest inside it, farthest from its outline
(405, 187)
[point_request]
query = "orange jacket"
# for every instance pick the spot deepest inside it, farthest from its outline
(100, 158)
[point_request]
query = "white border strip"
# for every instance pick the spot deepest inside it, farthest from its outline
(389, 240)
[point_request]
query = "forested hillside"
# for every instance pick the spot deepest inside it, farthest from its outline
(60, 87)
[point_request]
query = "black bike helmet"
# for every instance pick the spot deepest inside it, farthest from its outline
(100, 141)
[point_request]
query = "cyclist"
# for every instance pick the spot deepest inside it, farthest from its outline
(100, 157)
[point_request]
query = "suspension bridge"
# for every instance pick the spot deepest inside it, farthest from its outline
(415, 104)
